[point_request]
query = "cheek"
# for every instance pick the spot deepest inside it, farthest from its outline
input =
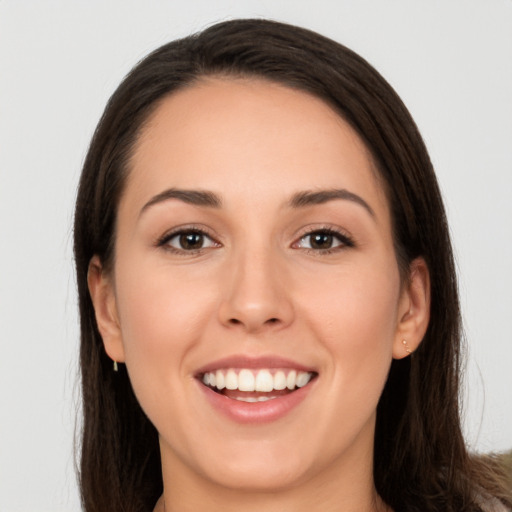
(361, 297)
(354, 314)
(162, 318)
(159, 305)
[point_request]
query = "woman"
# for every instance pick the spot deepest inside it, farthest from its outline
(268, 299)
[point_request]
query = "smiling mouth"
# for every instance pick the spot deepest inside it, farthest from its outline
(256, 385)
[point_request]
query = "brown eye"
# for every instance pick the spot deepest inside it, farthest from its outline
(188, 241)
(321, 241)
(324, 240)
(191, 241)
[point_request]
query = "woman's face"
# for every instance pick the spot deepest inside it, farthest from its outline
(254, 251)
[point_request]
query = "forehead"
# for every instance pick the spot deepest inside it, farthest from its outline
(249, 135)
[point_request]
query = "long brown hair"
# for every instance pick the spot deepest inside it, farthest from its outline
(421, 462)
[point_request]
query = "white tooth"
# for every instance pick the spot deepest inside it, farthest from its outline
(264, 398)
(219, 380)
(212, 379)
(290, 379)
(264, 381)
(279, 380)
(206, 379)
(303, 378)
(231, 380)
(245, 380)
(251, 399)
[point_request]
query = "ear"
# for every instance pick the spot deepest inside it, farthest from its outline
(104, 301)
(413, 310)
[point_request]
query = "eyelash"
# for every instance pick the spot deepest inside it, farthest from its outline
(191, 230)
(345, 241)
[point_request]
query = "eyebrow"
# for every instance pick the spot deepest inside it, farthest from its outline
(298, 200)
(310, 198)
(194, 197)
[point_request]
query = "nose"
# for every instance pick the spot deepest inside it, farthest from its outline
(257, 296)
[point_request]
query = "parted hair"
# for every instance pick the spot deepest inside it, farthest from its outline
(421, 462)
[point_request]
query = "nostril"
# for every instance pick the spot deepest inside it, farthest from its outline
(235, 321)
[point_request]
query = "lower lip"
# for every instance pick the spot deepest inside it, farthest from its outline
(256, 412)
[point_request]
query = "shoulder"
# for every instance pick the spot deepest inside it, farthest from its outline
(494, 505)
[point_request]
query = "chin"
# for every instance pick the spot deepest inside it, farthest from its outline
(261, 477)
(263, 465)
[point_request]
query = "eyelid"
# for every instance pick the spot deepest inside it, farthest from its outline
(346, 240)
(164, 239)
(342, 235)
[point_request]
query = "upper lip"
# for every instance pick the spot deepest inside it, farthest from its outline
(244, 361)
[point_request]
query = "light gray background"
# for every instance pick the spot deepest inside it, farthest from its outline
(450, 60)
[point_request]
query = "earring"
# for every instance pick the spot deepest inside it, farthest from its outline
(407, 349)
(115, 366)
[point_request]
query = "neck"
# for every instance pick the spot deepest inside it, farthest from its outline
(249, 504)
